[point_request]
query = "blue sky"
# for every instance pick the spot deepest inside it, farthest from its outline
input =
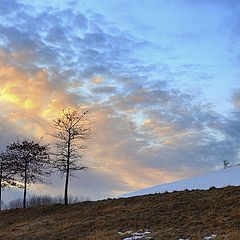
(196, 40)
(161, 78)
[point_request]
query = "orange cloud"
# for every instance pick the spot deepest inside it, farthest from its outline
(29, 99)
(159, 129)
(97, 80)
(112, 151)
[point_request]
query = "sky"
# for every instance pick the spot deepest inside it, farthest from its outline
(161, 79)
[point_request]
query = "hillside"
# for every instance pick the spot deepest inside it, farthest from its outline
(222, 178)
(177, 215)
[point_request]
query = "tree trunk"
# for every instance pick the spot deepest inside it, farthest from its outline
(66, 187)
(67, 172)
(1, 172)
(25, 186)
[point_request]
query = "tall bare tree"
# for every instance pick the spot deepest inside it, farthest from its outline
(72, 127)
(32, 163)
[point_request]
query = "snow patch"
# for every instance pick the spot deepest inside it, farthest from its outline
(222, 178)
(144, 235)
(213, 236)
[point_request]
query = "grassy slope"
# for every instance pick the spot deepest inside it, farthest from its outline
(169, 216)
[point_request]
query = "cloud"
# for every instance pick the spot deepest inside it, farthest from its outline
(146, 132)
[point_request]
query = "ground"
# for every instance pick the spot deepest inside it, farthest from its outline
(178, 215)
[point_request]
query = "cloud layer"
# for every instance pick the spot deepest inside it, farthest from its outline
(146, 131)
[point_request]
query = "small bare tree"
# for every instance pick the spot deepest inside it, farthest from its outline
(7, 172)
(226, 164)
(31, 163)
(72, 127)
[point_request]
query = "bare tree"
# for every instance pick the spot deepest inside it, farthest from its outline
(31, 161)
(226, 164)
(7, 171)
(72, 127)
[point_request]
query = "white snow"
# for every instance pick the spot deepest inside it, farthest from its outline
(146, 235)
(137, 235)
(213, 236)
(222, 178)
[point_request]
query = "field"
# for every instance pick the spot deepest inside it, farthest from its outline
(178, 215)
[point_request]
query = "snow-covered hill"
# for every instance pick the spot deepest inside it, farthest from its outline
(218, 179)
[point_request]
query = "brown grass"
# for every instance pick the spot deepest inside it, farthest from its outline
(230, 236)
(186, 214)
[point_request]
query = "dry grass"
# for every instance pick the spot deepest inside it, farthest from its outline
(230, 236)
(186, 214)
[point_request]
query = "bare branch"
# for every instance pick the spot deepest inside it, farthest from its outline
(71, 128)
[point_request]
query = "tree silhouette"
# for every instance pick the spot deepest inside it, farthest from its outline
(31, 162)
(226, 164)
(71, 128)
(7, 171)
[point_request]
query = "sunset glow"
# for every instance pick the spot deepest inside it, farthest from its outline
(162, 89)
